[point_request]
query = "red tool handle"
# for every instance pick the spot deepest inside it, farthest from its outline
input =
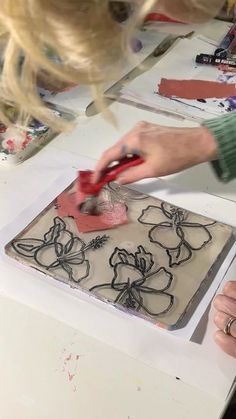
(110, 174)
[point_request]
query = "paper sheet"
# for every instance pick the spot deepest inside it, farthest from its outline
(213, 30)
(204, 366)
(67, 204)
(22, 184)
(195, 89)
(144, 89)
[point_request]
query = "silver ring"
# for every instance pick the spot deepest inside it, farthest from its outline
(228, 326)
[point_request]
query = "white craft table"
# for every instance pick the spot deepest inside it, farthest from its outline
(49, 368)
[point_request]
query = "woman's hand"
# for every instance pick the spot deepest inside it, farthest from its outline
(225, 306)
(165, 151)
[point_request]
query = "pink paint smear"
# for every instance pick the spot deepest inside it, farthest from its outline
(67, 204)
(196, 89)
(70, 367)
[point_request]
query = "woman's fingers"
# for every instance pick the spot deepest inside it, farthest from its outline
(227, 343)
(230, 289)
(221, 319)
(225, 304)
(112, 154)
(135, 173)
(126, 145)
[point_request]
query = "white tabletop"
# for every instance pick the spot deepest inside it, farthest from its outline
(33, 346)
(50, 369)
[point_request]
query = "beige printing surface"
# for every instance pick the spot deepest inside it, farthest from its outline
(179, 287)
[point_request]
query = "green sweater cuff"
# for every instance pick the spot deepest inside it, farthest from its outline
(224, 131)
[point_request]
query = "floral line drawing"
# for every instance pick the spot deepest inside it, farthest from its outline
(123, 193)
(175, 224)
(59, 248)
(131, 292)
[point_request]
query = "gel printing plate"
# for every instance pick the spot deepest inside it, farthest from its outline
(157, 266)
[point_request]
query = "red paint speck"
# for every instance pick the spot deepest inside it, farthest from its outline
(71, 376)
(161, 325)
(10, 145)
(26, 141)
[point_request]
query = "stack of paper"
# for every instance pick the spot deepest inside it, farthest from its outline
(179, 64)
(214, 30)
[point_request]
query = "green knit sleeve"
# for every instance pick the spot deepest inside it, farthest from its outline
(224, 131)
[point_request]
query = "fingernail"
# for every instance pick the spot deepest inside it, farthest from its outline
(136, 152)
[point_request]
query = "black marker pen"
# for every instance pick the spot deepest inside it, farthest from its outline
(213, 60)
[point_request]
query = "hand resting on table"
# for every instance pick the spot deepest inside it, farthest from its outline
(225, 305)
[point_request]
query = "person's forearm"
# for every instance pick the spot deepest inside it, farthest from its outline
(224, 131)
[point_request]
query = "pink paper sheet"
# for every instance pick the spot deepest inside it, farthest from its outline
(196, 89)
(68, 206)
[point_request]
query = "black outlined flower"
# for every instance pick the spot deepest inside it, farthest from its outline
(136, 285)
(175, 232)
(60, 249)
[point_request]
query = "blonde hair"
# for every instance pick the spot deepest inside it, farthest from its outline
(191, 10)
(85, 41)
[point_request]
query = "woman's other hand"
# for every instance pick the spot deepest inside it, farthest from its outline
(225, 305)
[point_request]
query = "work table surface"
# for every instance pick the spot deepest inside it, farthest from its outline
(49, 368)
